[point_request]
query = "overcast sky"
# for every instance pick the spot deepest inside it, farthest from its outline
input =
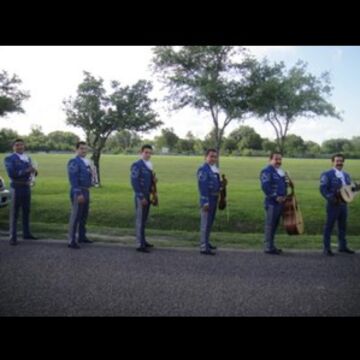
(52, 73)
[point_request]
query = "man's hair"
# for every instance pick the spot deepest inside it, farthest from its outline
(337, 155)
(79, 143)
(146, 146)
(273, 153)
(17, 140)
(208, 151)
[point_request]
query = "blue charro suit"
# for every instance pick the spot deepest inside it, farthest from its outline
(20, 193)
(141, 181)
(80, 178)
(209, 185)
(336, 210)
(273, 185)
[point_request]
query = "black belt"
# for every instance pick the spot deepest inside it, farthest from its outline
(23, 183)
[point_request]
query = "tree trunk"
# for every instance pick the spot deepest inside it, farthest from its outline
(218, 141)
(282, 145)
(96, 159)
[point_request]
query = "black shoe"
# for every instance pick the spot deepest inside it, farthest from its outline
(86, 241)
(13, 242)
(207, 252)
(148, 245)
(30, 237)
(273, 252)
(73, 246)
(142, 249)
(211, 247)
(328, 253)
(347, 251)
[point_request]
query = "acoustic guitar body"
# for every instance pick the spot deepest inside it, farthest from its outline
(349, 192)
(293, 220)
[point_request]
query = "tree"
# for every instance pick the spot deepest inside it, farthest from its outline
(188, 144)
(294, 145)
(11, 97)
(281, 96)
(312, 148)
(100, 114)
(333, 146)
(268, 145)
(210, 141)
(123, 141)
(355, 142)
(36, 140)
(167, 139)
(206, 78)
(61, 141)
(245, 137)
(7, 136)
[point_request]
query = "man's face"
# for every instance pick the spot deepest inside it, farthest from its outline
(276, 161)
(19, 147)
(146, 154)
(338, 162)
(82, 150)
(211, 157)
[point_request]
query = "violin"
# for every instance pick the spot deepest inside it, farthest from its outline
(154, 200)
(292, 216)
(222, 200)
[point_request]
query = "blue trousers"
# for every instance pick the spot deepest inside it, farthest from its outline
(20, 198)
(272, 218)
(206, 223)
(142, 214)
(78, 217)
(335, 213)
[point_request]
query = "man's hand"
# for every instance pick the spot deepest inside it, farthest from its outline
(206, 207)
(281, 199)
(30, 169)
(81, 199)
(144, 202)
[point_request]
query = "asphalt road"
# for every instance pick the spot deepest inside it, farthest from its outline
(45, 278)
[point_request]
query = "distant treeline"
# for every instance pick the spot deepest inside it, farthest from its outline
(243, 141)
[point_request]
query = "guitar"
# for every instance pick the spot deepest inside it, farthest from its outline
(293, 219)
(154, 200)
(222, 201)
(349, 192)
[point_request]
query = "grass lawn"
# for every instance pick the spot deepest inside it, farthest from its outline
(112, 206)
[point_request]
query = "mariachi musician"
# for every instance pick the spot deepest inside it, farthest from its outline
(21, 172)
(81, 180)
(274, 185)
(331, 182)
(143, 182)
(210, 186)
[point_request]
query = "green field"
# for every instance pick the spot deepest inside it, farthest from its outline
(112, 206)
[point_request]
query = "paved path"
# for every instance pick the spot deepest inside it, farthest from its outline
(45, 278)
